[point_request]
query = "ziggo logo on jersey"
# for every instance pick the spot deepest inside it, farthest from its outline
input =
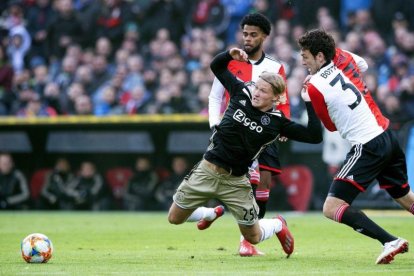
(240, 116)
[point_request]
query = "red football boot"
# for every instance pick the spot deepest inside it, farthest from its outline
(285, 237)
(247, 249)
(204, 224)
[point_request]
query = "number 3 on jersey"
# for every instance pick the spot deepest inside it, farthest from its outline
(345, 86)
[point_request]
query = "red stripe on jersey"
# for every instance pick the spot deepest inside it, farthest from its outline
(381, 120)
(359, 187)
(319, 105)
(241, 70)
(244, 72)
(391, 186)
(267, 168)
(345, 62)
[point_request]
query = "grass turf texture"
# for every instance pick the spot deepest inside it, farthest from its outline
(88, 243)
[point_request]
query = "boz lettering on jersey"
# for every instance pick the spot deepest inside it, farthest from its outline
(327, 72)
(241, 117)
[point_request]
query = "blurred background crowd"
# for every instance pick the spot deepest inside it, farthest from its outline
(113, 57)
(106, 57)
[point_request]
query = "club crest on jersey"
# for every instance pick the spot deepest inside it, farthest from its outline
(241, 117)
(265, 120)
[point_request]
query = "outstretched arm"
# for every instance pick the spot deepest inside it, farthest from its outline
(312, 133)
(219, 68)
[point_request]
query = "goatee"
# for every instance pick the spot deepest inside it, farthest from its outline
(252, 51)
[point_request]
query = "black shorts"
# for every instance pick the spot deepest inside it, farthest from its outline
(380, 159)
(269, 159)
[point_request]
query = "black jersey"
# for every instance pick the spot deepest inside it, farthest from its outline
(245, 131)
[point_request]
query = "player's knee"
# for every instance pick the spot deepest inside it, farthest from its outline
(328, 209)
(173, 219)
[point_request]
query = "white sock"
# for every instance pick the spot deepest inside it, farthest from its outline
(202, 213)
(269, 227)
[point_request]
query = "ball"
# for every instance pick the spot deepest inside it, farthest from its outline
(36, 248)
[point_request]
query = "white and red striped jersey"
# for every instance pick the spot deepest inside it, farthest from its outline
(245, 71)
(342, 101)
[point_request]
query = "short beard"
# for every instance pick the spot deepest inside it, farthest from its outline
(253, 50)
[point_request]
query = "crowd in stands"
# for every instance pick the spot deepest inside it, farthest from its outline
(142, 186)
(112, 57)
(106, 57)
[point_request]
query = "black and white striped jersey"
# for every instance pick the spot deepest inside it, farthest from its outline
(245, 131)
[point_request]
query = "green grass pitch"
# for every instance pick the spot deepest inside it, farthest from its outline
(126, 243)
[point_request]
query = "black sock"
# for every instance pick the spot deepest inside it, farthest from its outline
(364, 225)
(262, 208)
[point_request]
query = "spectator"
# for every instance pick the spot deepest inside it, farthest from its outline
(407, 96)
(141, 186)
(103, 47)
(39, 17)
(392, 109)
(54, 194)
(351, 7)
(66, 76)
(40, 78)
(201, 106)
(6, 77)
(166, 189)
(178, 102)
(137, 100)
(19, 46)
(84, 77)
(87, 188)
(112, 20)
(236, 9)
(75, 90)
(134, 77)
(160, 14)
(109, 104)
(100, 73)
(14, 191)
(83, 105)
(116, 83)
(64, 29)
(22, 91)
(55, 99)
(35, 108)
(297, 107)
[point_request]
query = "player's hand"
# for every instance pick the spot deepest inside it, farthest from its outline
(305, 95)
(282, 139)
(304, 92)
(238, 54)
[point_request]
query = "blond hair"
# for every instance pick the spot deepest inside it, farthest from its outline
(277, 82)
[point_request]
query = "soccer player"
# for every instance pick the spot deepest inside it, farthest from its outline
(343, 103)
(256, 28)
(249, 124)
